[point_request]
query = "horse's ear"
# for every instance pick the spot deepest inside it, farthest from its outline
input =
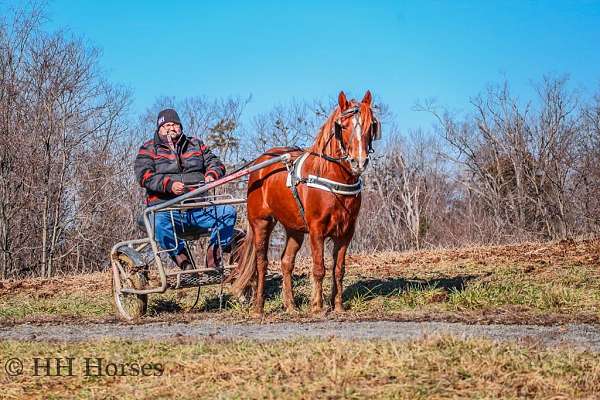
(342, 101)
(367, 99)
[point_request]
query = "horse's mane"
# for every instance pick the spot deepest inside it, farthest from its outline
(323, 138)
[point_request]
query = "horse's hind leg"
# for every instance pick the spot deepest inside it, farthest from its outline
(318, 272)
(262, 231)
(288, 258)
(337, 273)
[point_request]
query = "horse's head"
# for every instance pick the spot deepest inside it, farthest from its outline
(355, 129)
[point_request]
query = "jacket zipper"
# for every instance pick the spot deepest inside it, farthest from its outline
(177, 148)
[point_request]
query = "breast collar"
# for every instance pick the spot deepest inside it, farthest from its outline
(295, 177)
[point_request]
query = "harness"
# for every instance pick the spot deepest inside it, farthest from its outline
(295, 178)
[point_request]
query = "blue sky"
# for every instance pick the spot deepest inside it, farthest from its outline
(275, 50)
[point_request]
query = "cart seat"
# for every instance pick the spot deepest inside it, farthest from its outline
(189, 234)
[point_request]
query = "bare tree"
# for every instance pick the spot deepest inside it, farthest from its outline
(403, 184)
(517, 159)
(54, 106)
(289, 125)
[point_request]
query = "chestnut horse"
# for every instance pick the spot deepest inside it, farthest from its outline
(323, 208)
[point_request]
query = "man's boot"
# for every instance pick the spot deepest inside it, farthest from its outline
(234, 248)
(183, 262)
(213, 257)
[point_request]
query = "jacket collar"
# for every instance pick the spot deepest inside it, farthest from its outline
(180, 141)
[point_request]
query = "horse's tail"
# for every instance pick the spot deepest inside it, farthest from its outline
(245, 272)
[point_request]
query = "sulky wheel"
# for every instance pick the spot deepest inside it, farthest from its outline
(129, 306)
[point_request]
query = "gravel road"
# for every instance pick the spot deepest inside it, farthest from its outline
(577, 335)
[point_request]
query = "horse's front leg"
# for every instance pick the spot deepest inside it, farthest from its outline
(337, 273)
(318, 272)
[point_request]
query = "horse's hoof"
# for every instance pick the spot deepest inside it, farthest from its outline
(319, 312)
(339, 310)
(292, 310)
(257, 314)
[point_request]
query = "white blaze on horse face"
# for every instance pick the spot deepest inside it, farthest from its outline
(359, 165)
(357, 130)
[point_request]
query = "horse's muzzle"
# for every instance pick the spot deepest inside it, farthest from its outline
(358, 166)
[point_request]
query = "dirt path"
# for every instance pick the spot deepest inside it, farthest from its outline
(579, 335)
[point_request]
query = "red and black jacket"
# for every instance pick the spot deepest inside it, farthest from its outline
(157, 167)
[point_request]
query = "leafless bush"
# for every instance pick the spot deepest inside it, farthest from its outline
(404, 186)
(57, 114)
(519, 162)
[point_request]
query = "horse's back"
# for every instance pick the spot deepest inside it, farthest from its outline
(268, 194)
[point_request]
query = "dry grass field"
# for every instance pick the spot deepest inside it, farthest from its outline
(546, 283)
(433, 368)
(549, 283)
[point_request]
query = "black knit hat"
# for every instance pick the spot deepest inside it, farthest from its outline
(167, 115)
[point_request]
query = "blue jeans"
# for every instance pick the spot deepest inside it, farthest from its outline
(203, 218)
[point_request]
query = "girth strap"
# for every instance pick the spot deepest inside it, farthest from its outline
(293, 179)
(333, 186)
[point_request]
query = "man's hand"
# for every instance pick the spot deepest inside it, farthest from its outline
(208, 178)
(178, 188)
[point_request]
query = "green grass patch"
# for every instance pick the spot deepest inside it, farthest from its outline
(543, 297)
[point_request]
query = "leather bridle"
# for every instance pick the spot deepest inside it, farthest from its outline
(337, 134)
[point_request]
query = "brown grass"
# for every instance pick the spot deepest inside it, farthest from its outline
(434, 368)
(541, 283)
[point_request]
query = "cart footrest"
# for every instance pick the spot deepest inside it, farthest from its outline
(197, 277)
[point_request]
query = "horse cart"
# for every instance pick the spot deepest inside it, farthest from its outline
(132, 261)
(318, 194)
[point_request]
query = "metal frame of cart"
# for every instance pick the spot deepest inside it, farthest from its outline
(130, 268)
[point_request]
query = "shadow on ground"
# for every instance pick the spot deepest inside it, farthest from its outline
(273, 286)
(215, 303)
(372, 288)
(160, 306)
(366, 289)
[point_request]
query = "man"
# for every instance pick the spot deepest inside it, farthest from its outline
(170, 165)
